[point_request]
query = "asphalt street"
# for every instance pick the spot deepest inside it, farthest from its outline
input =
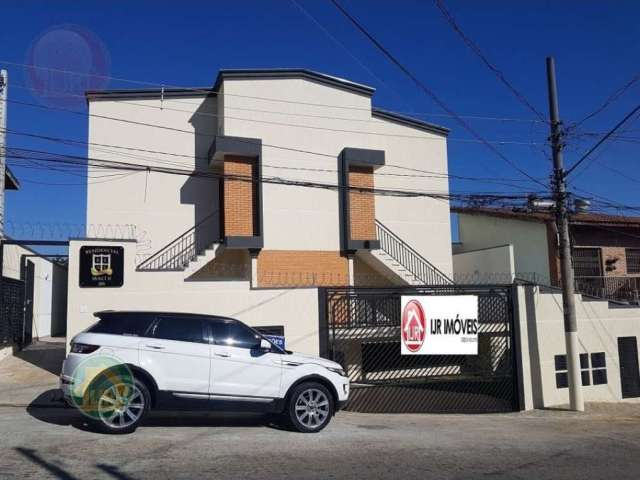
(55, 443)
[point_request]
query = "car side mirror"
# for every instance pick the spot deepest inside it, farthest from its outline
(264, 345)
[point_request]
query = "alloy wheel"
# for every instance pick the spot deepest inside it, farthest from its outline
(312, 408)
(121, 405)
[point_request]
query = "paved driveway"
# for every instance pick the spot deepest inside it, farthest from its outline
(53, 443)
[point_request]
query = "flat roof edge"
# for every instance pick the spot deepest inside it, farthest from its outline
(301, 73)
(409, 121)
(120, 94)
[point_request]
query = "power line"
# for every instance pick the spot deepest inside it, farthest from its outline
(476, 49)
(268, 122)
(602, 140)
(422, 173)
(110, 164)
(430, 93)
(608, 101)
(209, 91)
(326, 31)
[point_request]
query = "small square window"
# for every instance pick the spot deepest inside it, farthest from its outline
(561, 362)
(598, 360)
(599, 376)
(584, 360)
(585, 378)
(562, 380)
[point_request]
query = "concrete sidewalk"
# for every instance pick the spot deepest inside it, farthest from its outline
(30, 377)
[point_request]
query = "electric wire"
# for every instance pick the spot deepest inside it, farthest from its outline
(478, 52)
(430, 93)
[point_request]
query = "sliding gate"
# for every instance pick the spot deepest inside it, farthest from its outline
(360, 329)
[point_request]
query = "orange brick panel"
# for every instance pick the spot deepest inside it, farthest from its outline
(362, 209)
(284, 268)
(239, 197)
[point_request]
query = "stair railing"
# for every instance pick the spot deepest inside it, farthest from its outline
(179, 252)
(411, 260)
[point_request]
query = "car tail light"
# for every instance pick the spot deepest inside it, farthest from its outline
(83, 348)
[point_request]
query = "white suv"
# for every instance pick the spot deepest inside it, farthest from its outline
(130, 362)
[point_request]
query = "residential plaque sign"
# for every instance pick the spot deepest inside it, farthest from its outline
(101, 266)
(439, 325)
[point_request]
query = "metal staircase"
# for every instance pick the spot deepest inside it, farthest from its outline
(404, 261)
(188, 252)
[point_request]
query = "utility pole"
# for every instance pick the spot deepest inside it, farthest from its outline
(559, 188)
(3, 140)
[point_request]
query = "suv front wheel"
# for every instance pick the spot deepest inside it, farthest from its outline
(310, 407)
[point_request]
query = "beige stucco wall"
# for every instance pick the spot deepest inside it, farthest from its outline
(295, 309)
(599, 326)
(297, 218)
(488, 265)
(161, 206)
(529, 241)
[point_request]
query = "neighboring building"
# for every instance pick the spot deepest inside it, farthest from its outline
(43, 281)
(605, 249)
(254, 249)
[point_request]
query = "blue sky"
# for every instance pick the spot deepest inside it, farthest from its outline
(596, 46)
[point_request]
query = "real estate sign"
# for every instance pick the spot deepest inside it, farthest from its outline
(439, 325)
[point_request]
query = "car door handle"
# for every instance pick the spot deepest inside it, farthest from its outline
(223, 355)
(155, 347)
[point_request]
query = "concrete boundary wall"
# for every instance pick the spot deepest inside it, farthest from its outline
(295, 309)
(485, 265)
(600, 324)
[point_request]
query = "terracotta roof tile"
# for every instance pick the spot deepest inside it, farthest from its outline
(523, 214)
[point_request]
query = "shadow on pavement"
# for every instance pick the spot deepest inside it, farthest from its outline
(49, 407)
(55, 470)
(47, 355)
(58, 472)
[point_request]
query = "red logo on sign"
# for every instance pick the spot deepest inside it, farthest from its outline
(414, 326)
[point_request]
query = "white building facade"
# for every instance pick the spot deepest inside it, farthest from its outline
(289, 195)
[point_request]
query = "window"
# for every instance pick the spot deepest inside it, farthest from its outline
(584, 369)
(123, 324)
(182, 329)
(234, 334)
(587, 262)
(596, 374)
(599, 368)
(633, 260)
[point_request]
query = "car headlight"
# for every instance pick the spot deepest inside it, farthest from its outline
(339, 371)
(83, 348)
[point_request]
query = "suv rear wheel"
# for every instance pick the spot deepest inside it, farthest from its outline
(310, 407)
(121, 407)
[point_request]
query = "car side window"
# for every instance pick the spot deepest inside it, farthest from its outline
(135, 325)
(182, 329)
(234, 334)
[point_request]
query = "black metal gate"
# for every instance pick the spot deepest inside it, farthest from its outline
(360, 329)
(12, 312)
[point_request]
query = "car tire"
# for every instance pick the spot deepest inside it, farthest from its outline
(127, 419)
(310, 407)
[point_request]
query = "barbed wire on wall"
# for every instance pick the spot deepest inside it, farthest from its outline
(40, 231)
